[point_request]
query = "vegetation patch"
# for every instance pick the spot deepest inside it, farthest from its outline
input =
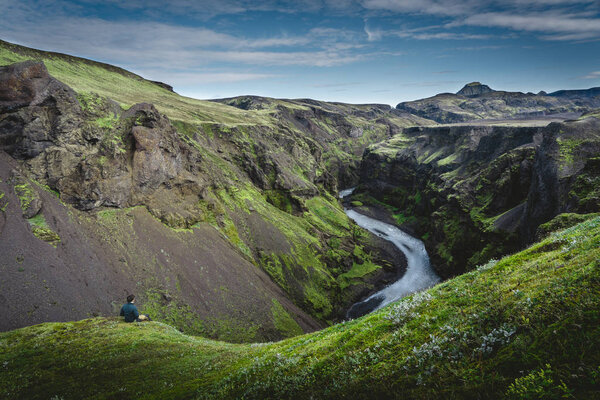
(526, 326)
(26, 195)
(41, 230)
(283, 322)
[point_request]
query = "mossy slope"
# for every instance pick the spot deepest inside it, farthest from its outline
(527, 326)
(264, 178)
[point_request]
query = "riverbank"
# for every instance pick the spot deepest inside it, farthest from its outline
(418, 274)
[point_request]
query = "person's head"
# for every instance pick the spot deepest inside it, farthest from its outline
(130, 298)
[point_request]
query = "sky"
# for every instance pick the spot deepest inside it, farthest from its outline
(354, 51)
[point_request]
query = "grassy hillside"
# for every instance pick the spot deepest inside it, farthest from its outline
(524, 327)
(86, 76)
(265, 179)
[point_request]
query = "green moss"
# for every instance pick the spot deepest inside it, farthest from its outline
(447, 160)
(274, 268)
(317, 300)
(25, 193)
(357, 274)
(527, 325)
(280, 200)
(283, 322)
(567, 148)
(3, 203)
(107, 122)
(41, 230)
(563, 221)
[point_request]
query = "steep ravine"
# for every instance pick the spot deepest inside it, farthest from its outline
(418, 275)
(473, 193)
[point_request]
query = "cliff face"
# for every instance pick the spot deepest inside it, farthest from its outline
(476, 192)
(231, 231)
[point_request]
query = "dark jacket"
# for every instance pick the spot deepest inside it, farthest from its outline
(130, 312)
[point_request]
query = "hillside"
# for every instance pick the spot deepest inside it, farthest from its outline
(223, 216)
(179, 200)
(526, 326)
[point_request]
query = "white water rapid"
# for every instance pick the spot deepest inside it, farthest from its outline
(418, 276)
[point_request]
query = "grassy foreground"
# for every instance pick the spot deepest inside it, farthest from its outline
(527, 326)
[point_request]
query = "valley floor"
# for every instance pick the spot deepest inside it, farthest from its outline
(527, 326)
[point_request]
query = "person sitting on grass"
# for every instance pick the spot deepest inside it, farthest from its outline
(130, 312)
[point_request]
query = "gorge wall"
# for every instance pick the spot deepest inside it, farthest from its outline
(477, 192)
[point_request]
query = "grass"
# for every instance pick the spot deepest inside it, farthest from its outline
(526, 326)
(87, 77)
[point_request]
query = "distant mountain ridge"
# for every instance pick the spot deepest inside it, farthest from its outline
(476, 101)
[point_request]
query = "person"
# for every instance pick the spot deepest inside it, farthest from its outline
(130, 311)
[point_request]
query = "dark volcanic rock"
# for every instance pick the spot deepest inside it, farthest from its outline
(123, 165)
(38, 110)
(474, 89)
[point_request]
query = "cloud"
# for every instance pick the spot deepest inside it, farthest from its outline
(154, 46)
(195, 78)
(421, 33)
(567, 26)
(333, 85)
(373, 35)
(439, 35)
(553, 19)
(435, 7)
(429, 83)
(592, 75)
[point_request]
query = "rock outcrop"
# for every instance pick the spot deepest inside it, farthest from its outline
(38, 111)
(474, 89)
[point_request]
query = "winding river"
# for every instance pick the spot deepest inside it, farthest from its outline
(418, 276)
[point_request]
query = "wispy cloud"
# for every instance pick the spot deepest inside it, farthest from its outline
(171, 46)
(195, 78)
(552, 19)
(439, 35)
(429, 83)
(333, 85)
(592, 75)
(556, 25)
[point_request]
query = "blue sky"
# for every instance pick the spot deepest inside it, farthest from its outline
(356, 51)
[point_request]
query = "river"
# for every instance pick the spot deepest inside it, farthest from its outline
(418, 276)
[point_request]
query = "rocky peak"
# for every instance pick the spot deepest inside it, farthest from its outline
(474, 89)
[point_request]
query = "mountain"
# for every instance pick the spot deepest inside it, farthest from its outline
(474, 89)
(223, 217)
(225, 222)
(476, 101)
(479, 192)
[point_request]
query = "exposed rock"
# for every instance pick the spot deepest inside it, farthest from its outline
(38, 111)
(164, 86)
(474, 89)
